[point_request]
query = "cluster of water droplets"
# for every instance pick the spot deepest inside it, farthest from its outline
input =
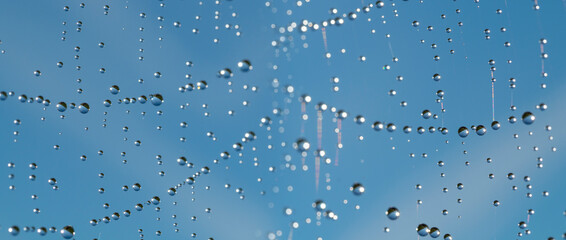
(284, 142)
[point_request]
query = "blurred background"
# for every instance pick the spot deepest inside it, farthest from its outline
(187, 119)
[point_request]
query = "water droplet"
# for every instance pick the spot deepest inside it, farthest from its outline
(302, 145)
(155, 200)
(61, 106)
(14, 230)
(84, 108)
(114, 89)
(434, 232)
(463, 132)
(436, 77)
(423, 230)
(393, 213)
(319, 205)
(528, 118)
(426, 114)
(495, 125)
(481, 130)
(156, 99)
(67, 232)
(358, 189)
(245, 65)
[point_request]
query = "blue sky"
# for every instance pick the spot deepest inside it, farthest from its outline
(269, 173)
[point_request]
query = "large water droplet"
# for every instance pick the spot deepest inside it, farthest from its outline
(463, 132)
(393, 213)
(423, 230)
(358, 189)
(528, 118)
(67, 232)
(84, 108)
(156, 99)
